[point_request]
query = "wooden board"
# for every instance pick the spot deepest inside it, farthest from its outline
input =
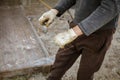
(19, 48)
(10, 2)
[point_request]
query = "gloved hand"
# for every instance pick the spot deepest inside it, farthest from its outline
(65, 38)
(48, 17)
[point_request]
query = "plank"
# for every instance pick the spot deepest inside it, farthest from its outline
(10, 2)
(19, 48)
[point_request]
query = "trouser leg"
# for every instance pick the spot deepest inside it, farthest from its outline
(89, 64)
(64, 60)
(93, 54)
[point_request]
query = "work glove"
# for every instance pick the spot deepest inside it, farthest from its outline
(48, 17)
(65, 38)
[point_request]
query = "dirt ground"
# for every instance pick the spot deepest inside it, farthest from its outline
(110, 69)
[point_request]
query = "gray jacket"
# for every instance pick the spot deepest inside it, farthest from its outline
(92, 15)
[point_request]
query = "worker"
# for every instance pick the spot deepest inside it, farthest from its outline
(90, 35)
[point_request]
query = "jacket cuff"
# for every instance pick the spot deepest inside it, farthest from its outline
(84, 29)
(60, 10)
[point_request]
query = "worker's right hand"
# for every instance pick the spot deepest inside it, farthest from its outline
(48, 17)
(65, 38)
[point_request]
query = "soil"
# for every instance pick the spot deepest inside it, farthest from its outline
(110, 69)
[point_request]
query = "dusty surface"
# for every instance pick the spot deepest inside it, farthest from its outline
(19, 47)
(110, 69)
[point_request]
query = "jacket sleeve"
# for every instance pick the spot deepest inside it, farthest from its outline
(101, 16)
(64, 5)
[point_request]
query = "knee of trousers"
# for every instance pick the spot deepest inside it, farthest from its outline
(89, 69)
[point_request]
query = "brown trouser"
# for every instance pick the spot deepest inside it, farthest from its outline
(92, 48)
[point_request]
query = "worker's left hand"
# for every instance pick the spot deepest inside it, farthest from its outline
(65, 38)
